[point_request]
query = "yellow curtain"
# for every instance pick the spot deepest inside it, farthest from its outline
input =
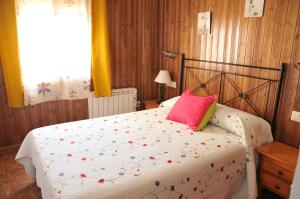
(9, 54)
(100, 49)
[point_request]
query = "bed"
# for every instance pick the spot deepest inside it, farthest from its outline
(295, 188)
(144, 155)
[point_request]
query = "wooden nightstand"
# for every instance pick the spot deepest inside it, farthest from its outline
(277, 166)
(149, 104)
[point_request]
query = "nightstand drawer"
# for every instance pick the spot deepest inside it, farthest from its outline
(275, 184)
(276, 171)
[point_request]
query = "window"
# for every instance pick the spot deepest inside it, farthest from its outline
(55, 49)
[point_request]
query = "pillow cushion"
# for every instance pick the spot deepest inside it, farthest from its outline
(208, 115)
(190, 109)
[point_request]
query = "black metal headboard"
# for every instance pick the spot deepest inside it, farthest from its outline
(222, 77)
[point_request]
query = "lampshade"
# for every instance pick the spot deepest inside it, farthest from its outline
(163, 77)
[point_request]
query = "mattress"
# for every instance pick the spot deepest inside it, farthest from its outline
(135, 155)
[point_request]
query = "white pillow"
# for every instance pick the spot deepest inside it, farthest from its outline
(240, 122)
(169, 103)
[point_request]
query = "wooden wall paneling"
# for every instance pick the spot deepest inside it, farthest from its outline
(247, 59)
(237, 55)
(221, 33)
(267, 49)
(138, 51)
(124, 42)
(124, 18)
(169, 39)
(133, 33)
(277, 44)
(184, 38)
(169, 11)
(220, 41)
(206, 41)
(145, 33)
(268, 24)
(222, 50)
(257, 60)
(174, 44)
(208, 50)
(248, 82)
(216, 10)
(290, 89)
(114, 40)
(284, 132)
(253, 83)
(241, 52)
(245, 55)
(228, 47)
(230, 24)
(165, 37)
(234, 46)
(295, 127)
(155, 47)
(195, 38)
(151, 47)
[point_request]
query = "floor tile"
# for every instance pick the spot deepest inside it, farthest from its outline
(2, 169)
(18, 184)
(3, 190)
(17, 180)
(12, 164)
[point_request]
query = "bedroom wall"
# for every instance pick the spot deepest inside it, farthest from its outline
(140, 29)
(266, 41)
(134, 32)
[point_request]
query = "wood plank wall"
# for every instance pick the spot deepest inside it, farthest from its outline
(266, 41)
(134, 33)
(134, 28)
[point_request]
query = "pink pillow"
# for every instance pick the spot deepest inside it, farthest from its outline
(190, 109)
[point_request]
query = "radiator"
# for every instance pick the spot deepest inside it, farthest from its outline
(123, 100)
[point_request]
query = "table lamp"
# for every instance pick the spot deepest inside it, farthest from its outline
(163, 78)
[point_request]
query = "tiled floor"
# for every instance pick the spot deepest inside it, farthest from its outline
(14, 184)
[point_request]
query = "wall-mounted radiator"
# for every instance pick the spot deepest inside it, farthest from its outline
(123, 100)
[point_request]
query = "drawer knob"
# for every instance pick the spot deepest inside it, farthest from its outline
(277, 187)
(279, 172)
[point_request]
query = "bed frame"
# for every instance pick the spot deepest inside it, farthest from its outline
(222, 76)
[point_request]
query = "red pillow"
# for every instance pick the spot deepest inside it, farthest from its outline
(190, 109)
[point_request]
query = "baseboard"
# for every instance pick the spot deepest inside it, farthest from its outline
(9, 149)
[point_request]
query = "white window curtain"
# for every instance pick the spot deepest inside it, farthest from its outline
(55, 49)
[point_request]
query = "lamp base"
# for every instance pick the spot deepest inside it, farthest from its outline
(161, 93)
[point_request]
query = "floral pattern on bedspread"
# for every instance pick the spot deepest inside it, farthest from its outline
(135, 155)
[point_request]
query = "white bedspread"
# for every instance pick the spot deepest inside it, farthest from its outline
(140, 155)
(295, 188)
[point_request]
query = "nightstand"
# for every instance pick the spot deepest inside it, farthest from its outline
(277, 166)
(149, 104)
